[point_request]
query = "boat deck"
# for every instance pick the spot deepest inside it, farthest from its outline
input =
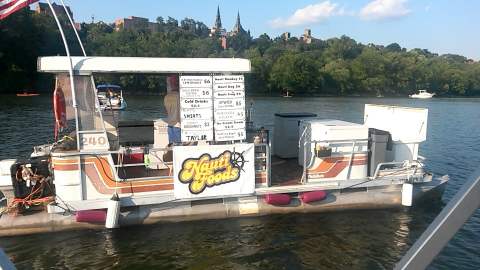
(285, 172)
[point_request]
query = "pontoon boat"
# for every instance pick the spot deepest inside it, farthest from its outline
(113, 173)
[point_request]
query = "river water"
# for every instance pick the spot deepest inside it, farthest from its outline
(345, 240)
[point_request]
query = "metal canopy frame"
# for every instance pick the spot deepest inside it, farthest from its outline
(145, 65)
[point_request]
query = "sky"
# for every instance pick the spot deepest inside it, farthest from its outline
(441, 26)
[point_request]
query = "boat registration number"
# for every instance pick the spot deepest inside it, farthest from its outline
(94, 142)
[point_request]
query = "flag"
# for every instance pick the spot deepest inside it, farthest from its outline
(8, 7)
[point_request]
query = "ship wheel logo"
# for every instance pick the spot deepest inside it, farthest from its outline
(238, 160)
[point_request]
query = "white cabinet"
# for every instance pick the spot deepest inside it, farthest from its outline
(285, 135)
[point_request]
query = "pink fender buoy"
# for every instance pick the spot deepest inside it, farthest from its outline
(313, 196)
(277, 199)
(91, 216)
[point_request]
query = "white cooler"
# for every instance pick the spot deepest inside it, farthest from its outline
(332, 130)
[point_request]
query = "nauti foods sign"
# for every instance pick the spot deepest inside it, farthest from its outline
(213, 170)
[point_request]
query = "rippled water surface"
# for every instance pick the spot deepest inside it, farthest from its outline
(345, 240)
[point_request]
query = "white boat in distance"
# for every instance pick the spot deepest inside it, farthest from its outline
(422, 94)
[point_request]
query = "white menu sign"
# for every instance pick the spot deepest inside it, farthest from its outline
(229, 104)
(196, 108)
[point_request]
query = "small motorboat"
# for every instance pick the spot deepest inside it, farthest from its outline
(27, 93)
(110, 97)
(422, 94)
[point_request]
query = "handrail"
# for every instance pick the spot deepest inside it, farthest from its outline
(377, 170)
(100, 153)
(353, 142)
(444, 226)
(5, 262)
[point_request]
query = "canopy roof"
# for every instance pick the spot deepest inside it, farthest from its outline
(114, 86)
(89, 65)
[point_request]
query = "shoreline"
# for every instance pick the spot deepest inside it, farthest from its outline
(43, 94)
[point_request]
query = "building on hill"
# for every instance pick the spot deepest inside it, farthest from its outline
(217, 29)
(43, 8)
(307, 36)
(237, 29)
(286, 36)
(135, 23)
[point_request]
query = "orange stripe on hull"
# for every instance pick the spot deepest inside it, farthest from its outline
(101, 176)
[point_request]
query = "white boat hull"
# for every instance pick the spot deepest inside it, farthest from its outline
(385, 197)
(421, 97)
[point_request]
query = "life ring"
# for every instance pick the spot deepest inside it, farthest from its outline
(60, 110)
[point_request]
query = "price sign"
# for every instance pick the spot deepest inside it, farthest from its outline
(228, 87)
(228, 79)
(226, 115)
(230, 125)
(196, 93)
(196, 108)
(230, 135)
(196, 103)
(197, 124)
(229, 94)
(229, 107)
(196, 82)
(230, 103)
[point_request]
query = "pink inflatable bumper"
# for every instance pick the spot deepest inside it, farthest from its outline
(91, 216)
(313, 196)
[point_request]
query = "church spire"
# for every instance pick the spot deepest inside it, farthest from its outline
(218, 20)
(238, 19)
(238, 26)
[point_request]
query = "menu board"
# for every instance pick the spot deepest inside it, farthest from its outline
(196, 108)
(229, 107)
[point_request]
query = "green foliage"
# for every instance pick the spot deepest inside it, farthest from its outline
(336, 66)
(297, 73)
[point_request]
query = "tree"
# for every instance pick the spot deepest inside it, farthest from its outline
(394, 47)
(188, 25)
(172, 22)
(339, 66)
(263, 42)
(339, 76)
(296, 73)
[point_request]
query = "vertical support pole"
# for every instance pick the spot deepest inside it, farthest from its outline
(304, 174)
(72, 86)
(268, 164)
(74, 29)
(97, 104)
(70, 71)
(349, 168)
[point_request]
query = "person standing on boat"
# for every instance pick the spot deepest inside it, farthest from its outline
(172, 105)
